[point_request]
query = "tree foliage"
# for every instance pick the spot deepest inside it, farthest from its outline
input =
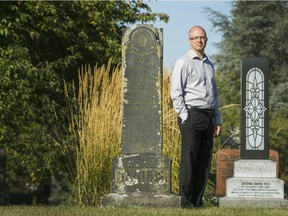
(43, 43)
(255, 28)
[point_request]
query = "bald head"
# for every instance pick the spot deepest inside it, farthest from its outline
(196, 28)
(198, 40)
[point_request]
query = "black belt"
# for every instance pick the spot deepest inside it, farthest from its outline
(207, 112)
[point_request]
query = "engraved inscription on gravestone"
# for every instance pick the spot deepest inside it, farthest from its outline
(260, 188)
(225, 167)
(142, 97)
(142, 173)
(254, 182)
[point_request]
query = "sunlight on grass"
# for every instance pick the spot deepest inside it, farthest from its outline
(135, 211)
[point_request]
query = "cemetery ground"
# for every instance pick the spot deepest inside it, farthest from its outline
(135, 211)
(99, 126)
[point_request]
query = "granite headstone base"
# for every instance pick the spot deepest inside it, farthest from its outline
(143, 200)
(254, 185)
(225, 167)
(244, 202)
(141, 180)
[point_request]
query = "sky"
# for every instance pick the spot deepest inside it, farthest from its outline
(183, 15)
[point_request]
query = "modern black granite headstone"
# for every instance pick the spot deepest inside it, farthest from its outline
(254, 183)
(142, 175)
(255, 108)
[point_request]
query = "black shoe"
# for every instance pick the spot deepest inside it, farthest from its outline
(199, 206)
(186, 203)
(186, 206)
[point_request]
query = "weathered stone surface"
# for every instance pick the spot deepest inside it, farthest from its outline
(142, 71)
(145, 200)
(142, 174)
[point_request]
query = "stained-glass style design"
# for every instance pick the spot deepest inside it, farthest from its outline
(254, 109)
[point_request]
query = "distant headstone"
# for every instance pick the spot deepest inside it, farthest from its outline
(254, 183)
(2, 169)
(142, 175)
(59, 189)
(3, 192)
(225, 167)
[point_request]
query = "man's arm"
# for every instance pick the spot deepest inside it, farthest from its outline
(178, 83)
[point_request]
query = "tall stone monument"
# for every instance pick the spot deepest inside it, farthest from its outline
(255, 182)
(142, 175)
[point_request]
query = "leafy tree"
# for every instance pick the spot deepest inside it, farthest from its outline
(255, 28)
(43, 43)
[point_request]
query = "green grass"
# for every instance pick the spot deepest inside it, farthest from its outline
(134, 211)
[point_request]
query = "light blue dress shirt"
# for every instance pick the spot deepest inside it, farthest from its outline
(193, 84)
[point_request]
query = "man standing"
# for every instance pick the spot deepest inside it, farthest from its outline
(194, 96)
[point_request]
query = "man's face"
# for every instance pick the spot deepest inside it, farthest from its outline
(198, 39)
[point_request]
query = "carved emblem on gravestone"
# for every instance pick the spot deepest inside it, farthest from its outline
(254, 182)
(255, 109)
(254, 120)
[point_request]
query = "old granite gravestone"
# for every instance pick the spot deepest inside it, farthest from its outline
(142, 175)
(254, 183)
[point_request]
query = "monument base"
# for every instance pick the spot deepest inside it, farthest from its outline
(254, 185)
(237, 202)
(144, 200)
(141, 180)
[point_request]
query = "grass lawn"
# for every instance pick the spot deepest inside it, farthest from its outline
(133, 211)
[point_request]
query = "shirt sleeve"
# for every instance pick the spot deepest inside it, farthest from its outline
(217, 117)
(178, 83)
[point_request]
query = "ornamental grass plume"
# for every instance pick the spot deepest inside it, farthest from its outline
(95, 123)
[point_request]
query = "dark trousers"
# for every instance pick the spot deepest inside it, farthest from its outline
(196, 153)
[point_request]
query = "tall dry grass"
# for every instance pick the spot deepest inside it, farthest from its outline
(171, 132)
(95, 123)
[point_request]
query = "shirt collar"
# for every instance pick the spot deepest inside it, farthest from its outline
(193, 55)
